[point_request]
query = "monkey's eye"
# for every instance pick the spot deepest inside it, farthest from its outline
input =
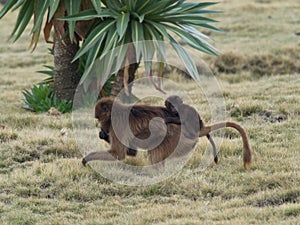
(104, 108)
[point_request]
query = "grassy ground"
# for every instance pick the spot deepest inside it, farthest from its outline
(43, 182)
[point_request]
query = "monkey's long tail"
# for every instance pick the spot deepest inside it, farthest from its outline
(247, 153)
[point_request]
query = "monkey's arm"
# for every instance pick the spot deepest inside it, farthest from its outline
(175, 120)
(101, 155)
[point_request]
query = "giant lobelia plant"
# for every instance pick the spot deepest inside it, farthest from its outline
(146, 24)
(105, 25)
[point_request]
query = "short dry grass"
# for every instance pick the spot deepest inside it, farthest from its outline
(43, 182)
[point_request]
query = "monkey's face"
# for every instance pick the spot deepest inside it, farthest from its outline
(172, 102)
(103, 109)
(170, 107)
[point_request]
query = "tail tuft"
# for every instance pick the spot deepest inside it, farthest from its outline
(216, 159)
(247, 165)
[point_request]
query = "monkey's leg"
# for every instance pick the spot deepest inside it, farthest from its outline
(156, 158)
(174, 120)
(214, 148)
(101, 155)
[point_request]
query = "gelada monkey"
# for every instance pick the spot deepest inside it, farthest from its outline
(185, 112)
(185, 115)
(163, 112)
(139, 120)
(114, 116)
(190, 120)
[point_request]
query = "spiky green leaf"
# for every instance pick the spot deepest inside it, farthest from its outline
(97, 6)
(83, 15)
(72, 8)
(196, 18)
(186, 59)
(92, 55)
(141, 5)
(140, 17)
(131, 4)
(40, 12)
(122, 24)
(111, 41)
(8, 6)
(137, 36)
(23, 19)
(122, 51)
(114, 5)
(193, 6)
(160, 28)
(53, 5)
(158, 42)
(148, 50)
(207, 26)
(193, 41)
(153, 7)
(96, 34)
(88, 15)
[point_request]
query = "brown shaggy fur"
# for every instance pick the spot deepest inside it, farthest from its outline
(142, 120)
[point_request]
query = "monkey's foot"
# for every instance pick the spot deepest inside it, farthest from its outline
(131, 152)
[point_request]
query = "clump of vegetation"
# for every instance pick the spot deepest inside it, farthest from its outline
(23, 154)
(245, 110)
(229, 63)
(257, 65)
(6, 136)
(41, 97)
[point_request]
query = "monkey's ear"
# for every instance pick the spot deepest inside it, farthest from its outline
(104, 107)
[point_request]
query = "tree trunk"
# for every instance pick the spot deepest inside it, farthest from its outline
(66, 75)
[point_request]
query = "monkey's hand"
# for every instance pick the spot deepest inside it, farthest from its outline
(103, 135)
(84, 162)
